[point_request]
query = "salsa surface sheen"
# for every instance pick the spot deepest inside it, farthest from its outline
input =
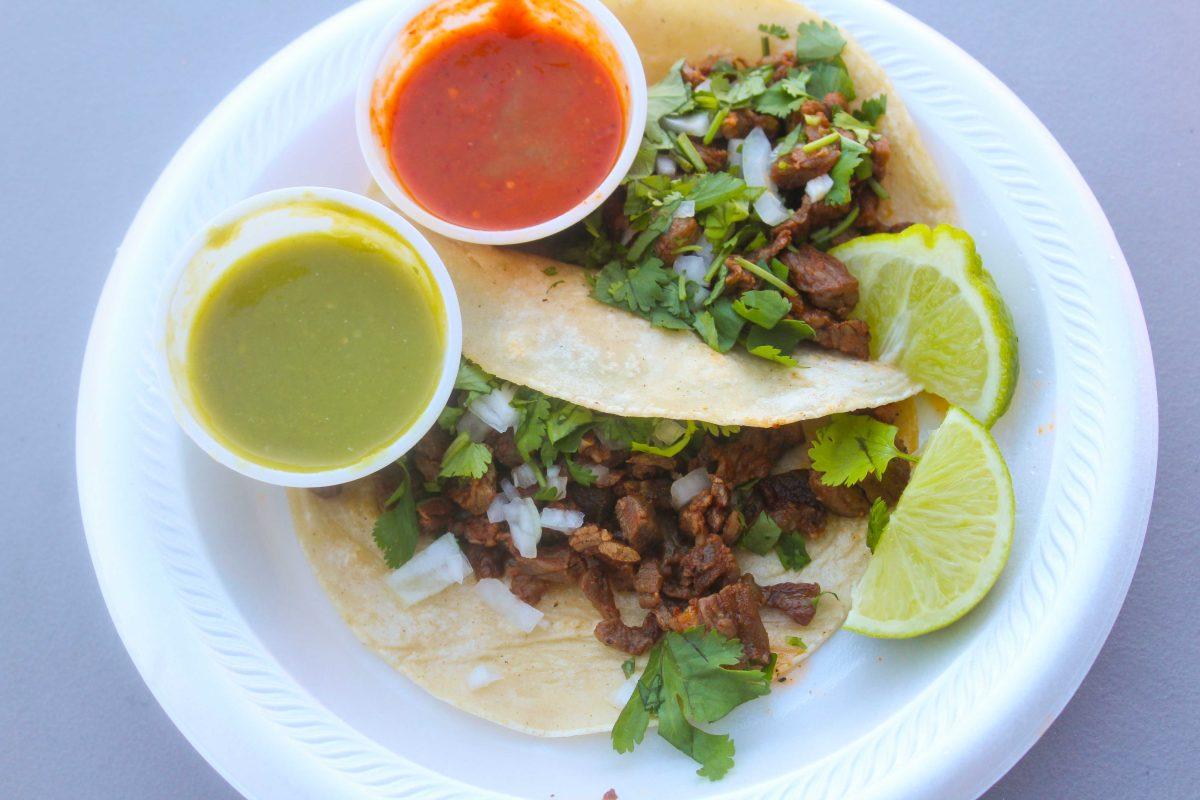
(315, 351)
(506, 123)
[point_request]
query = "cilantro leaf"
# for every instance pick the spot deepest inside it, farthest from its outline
(465, 459)
(797, 642)
(763, 307)
(852, 446)
(627, 667)
(531, 426)
(877, 521)
(778, 343)
(566, 420)
(669, 96)
(849, 161)
(849, 122)
(396, 529)
(784, 96)
(830, 76)
(871, 110)
(687, 681)
(761, 536)
(714, 188)
(448, 419)
(815, 41)
(774, 29)
(472, 378)
(581, 475)
(793, 555)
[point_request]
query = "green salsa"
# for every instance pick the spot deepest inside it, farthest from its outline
(315, 351)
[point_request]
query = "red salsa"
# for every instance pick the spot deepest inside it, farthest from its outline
(506, 123)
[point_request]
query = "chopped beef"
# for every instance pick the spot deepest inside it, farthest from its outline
(815, 111)
(738, 124)
(596, 541)
(710, 513)
(504, 449)
(648, 465)
(834, 100)
(714, 158)
(595, 502)
(888, 412)
(783, 62)
(598, 591)
(808, 216)
(745, 457)
(881, 153)
(734, 612)
(487, 562)
(738, 279)
(845, 501)
(638, 522)
(708, 565)
(693, 75)
(478, 530)
(793, 599)
(656, 490)
(795, 169)
(868, 211)
(435, 515)
(849, 336)
(790, 502)
(474, 494)
(628, 639)
(551, 564)
(825, 281)
(591, 450)
(528, 588)
(428, 452)
(895, 478)
(681, 232)
(778, 243)
(612, 213)
(648, 583)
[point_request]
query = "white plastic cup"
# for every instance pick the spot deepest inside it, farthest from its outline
(253, 224)
(388, 59)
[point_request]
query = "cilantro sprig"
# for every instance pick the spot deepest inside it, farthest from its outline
(396, 529)
(852, 446)
(688, 682)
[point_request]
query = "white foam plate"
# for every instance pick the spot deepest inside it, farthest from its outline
(227, 624)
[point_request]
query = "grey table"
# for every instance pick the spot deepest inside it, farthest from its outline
(97, 96)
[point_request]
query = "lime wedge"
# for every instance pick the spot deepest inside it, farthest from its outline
(947, 539)
(935, 312)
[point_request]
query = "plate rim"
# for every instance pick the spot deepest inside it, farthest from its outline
(975, 768)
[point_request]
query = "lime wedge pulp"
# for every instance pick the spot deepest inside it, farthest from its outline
(947, 540)
(935, 312)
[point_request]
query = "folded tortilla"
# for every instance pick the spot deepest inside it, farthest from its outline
(543, 331)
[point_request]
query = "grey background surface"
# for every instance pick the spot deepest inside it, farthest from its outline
(96, 96)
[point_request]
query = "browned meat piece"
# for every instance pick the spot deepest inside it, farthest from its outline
(427, 453)
(597, 590)
(693, 75)
(627, 639)
(478, 530)
(895, 478)
(639, 526)
(611, 794)
(734, 612)
(648, 465)
(834, 100)
(710, 514)
(708, 565)
(595, 502)
(815, 111)
(656, 490)
(504, 449)
(790, 502)
(528, 588)
(592, 451)
(715, 158)
(794, 169)
(868, 211)
(888, 412)
(488, 562)
(474, 494)
(738, 279)
(744, 457)
(680, 233)
(793, 599)
(612, 214)
(845, 501)
(326, 492)
(783, 63)
(850, 336)
(740, 122)
(881, 153)
(648, 584)
(790, 434)
(825, 281)
(808, 216)
(596, 541)
(552, 564)
(435, 515)
(765, 253)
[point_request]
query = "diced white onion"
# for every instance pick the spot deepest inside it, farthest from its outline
(706, 251)
(735, 152)
(694, 124)
(703, 86)
(509, 490)
(690, 485)
(474, 427)
(627, 236)
(495, 408)
(430, 571)
(691, 267)
(561, 519)
(500, 599)
(619, 696)
(524, 476)
(818, 187)
(524, 525)
(668, 431)
(701, 295)
(495, 511)
(686, 210)
(665, 165)
(482, 676)
(599, 470)
(756, 170)
(771, 209)
(556, 479)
